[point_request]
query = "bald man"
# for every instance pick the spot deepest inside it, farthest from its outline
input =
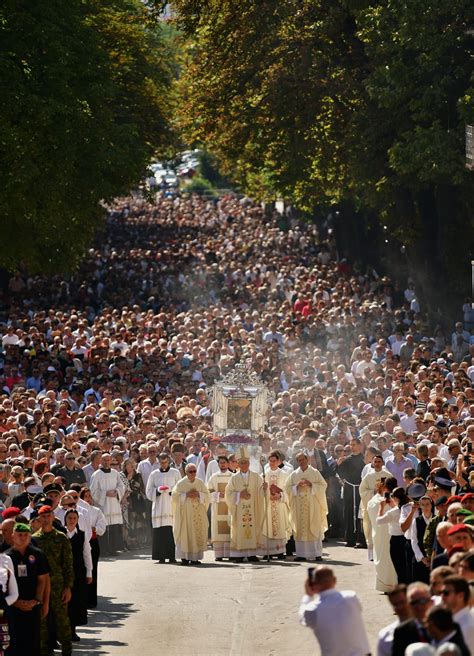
(335, 616)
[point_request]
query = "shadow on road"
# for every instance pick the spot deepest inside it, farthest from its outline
(109, 615)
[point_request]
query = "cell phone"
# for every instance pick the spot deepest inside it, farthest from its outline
(467, 460)
(387, 496)
(310, 573)
(469, 447)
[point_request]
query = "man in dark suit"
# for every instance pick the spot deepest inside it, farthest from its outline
(442, 628)
(317, 457)
(419, 598)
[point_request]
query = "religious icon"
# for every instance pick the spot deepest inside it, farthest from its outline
(239, 414)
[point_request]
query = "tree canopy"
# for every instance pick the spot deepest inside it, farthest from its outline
(85, 86)
(323, 101)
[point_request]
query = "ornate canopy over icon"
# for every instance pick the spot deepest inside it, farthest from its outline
(240, 402)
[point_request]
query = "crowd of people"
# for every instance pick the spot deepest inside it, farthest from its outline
(106, 440)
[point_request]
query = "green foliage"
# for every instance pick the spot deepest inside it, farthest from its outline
(324, 101)
(199, 185)
(85, 100)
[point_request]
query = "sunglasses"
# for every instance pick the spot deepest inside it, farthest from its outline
(420, 602)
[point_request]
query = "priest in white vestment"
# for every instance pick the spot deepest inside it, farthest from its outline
(306, 489)
(158, 490)
(385, 574)
(244, 497)
(367, 489)
(276, 526)
(220, 520)
(190, 524)
(107, 489)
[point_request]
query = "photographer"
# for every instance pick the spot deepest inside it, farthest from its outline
(335, 616)
(398, 541)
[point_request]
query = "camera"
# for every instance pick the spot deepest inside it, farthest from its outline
(387, 496)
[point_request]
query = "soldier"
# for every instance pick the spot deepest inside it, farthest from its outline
(57, 550)
(31, 572)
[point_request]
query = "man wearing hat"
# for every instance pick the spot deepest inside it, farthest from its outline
(244, 497)
(58, 552)
(467, 501)
(461, 534)
(31, 488)
(178, 453)
(306, 490)
(32, 574)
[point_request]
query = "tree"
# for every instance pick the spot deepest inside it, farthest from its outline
(331, 101)
(85, 87)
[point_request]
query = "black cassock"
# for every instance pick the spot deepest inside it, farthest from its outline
(350, 471)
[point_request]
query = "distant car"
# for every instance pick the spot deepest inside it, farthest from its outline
(157, 166)
(170, 179)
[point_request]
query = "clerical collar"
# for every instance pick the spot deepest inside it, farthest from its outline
(164, 470)
(245, 475)
(106, 471)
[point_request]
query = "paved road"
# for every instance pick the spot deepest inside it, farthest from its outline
(219, 609)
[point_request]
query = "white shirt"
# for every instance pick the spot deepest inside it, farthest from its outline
(408, 423)
(145, 467)
(465, 619)
(385, 639)
(392, 518)
(336, 619)
(7, 579)
(405, 510)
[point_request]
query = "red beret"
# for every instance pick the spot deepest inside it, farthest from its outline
(45, 509)
(8, 513)
(469, 495)
(454, 499)
(459, 528)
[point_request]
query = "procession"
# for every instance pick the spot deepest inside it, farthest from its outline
(306, 415)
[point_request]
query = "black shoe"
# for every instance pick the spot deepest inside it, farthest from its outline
(300, 559)
(318, 559)
(219, 560)
(75, 637)
(350, 544)
(172, 561)
(184, 561)
(281, 557)
(162, 561)
(253, 559)
(196, 562)
(237, 560)
(360, 546)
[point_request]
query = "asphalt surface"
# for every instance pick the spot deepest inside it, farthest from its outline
(218, 609)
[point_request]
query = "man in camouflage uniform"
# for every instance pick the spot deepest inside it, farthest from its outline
(57, 550)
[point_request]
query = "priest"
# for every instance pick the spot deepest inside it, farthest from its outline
(158, 490)
(306, 490)
(220, 521)
(244, 497)
(107, 489)
(368, 487)
(190, 498)
(276, 527)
